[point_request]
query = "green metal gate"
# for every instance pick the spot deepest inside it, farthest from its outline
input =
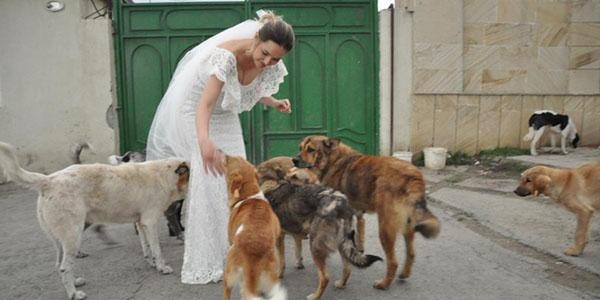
(333, 69)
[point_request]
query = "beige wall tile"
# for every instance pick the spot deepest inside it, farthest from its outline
(550, 35)
(552, 12)
(554, 103)
(467, 124)
(574, 106)
(544, 81)
(584, 58)
(444, 134)
(584, 34)
(479, 11)
(489, 122)
(499, 57)
(438, 56)
(585, 10)
(473, 33)
(503, 81)
(584, 81)
(472, 80)
(530, 105)
(590, 132)
(438, 81)
(553, 58)
(422, 122)
(520, 35)
(438, 22)
(510, 119)
(515, 11)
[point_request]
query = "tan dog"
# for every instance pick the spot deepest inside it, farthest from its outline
(253, 231)
(392, 188)
(578, 190)
(98, 194)
(270, 173)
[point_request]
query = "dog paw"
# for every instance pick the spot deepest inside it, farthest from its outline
(81, 254)
(339, 284)
(78, 295)
(573, 251)
(404, 275)
(299, 265)
(381, 284)
(79, 281)
(165, 270)
(312, 297)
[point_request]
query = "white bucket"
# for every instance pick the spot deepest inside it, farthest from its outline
(403, 155)
(435, 157)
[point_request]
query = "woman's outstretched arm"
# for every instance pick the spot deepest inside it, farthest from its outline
(212, 157)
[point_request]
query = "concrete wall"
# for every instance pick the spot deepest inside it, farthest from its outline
(56, 82)
(478, 69)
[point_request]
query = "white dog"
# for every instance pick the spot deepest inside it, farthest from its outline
(99, 193)
(559, 125)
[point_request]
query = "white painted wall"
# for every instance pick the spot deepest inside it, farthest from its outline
(56, 78)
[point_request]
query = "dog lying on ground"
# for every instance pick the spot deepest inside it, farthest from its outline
(578, 190)
(558, 124)
(173, 213)
(253, 231)
(97, 194)
(392, 188)
(321, 213)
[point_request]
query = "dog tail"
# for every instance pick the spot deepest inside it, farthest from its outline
(76, 152)
(355, 257)
(427, 223)
(529, 136)
(13, 170)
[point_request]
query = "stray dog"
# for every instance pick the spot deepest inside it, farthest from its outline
(578, 190)
(314, 210)
(392, 188)
(97, 194)
(270, 173)
(253, 231)
(173, 213)
(559, 124)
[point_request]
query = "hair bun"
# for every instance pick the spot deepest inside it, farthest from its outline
(267, 16)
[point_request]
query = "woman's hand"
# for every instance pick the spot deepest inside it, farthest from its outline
(213, 158)
(283, 106)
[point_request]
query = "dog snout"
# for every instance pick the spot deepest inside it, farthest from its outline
(520, 191)
(296, 161)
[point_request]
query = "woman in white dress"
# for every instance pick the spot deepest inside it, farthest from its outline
(198, 120)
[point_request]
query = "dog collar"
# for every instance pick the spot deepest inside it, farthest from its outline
(257, 196)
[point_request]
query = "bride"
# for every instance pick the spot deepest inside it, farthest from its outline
(198, 120)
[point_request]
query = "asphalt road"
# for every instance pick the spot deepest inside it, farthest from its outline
(471, 259)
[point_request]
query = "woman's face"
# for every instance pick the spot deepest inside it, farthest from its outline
(267, 54)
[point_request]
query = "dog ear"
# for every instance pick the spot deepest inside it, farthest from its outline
(182, 169)
(331, 143)
(540, 184)
(236, 184)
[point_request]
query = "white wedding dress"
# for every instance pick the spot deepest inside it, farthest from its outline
(173, 134)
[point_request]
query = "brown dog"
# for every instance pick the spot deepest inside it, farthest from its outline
(270, 173)
(253, 231)
(578, 190)
(392, 188)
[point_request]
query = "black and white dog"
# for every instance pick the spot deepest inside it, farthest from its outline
(173, 213)
(558, 124)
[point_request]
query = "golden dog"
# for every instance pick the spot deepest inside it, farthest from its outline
(578, 190)
(392, 188)
(253, 231)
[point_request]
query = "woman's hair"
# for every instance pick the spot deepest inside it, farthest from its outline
(277, 30)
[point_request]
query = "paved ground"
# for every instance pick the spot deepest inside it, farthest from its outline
(493, 245)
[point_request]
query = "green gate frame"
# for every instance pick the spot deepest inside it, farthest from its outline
(345, 23)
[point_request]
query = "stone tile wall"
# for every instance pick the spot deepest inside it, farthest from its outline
(481, 67)
(471, 123)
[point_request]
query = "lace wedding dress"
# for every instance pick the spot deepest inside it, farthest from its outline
(173, 133)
